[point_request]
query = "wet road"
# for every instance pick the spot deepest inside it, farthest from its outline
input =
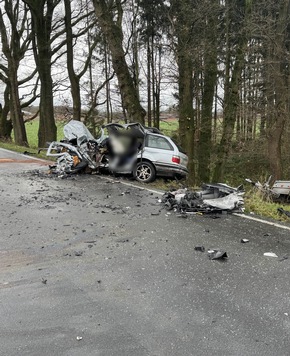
(90, 266)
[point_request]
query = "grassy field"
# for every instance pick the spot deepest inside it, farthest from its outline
(32, 129)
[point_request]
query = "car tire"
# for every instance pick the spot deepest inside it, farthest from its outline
(144, 172)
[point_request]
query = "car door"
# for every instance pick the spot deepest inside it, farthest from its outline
(158, 149)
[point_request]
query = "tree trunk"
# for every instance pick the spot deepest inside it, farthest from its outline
(274, 149)
(11, 48)
(112, 30)
(42, 12)
(16, 117)
(5, 124)
(149, 78)
(232, 87)
(184, 54)
(186, 112)
(279, 83)
(210, 80)
(73, 77)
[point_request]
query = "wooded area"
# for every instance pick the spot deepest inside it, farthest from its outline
(224, 62)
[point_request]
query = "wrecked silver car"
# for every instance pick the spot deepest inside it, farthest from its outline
(132, 149)
(142, 152)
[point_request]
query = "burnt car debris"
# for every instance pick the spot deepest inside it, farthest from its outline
(133, 149)
(212, 198)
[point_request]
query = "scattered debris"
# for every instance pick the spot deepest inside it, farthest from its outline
(270, 254)
(217, 254)
(278, 192)
(281, 211)
(44, 281)
(213, 198)
(182, 215)
(78, 253)
(199, 248)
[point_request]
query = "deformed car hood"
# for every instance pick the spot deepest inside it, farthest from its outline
(76, 129)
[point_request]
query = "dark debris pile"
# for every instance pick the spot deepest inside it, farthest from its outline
(212, 198)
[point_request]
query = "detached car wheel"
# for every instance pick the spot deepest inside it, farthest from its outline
(145, 172)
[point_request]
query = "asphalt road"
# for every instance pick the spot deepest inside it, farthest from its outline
(90, 266)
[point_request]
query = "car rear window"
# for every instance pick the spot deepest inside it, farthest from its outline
(180, 149)
(158, 142)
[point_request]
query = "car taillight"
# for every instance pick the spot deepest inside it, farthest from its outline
(176, 159)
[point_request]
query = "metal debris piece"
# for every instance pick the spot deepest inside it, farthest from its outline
(270, 254)
(217, 254)
(79, 338)
(244, 241)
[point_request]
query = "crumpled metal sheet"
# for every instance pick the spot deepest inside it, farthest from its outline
(76, 129)
(213, 198)
(229, 202)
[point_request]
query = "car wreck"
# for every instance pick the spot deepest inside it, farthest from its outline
(133, 149)
(212, 198)
(279, 191)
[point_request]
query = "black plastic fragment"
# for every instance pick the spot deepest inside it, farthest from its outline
(199, 248)
(281, 211)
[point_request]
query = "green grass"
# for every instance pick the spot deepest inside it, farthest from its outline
(32, 130)
(169, 128)
(256, 203)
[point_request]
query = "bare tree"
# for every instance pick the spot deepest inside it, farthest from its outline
(82, 16)
(237, 20)
(42, 20)
(109, 15)
(15, 44)
(277, 81)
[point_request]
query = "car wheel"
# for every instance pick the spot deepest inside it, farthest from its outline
(145, 172)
